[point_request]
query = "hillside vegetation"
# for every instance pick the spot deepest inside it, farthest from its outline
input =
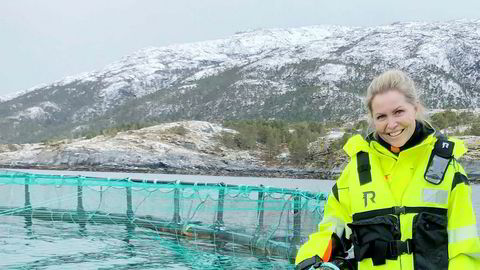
(307, 143)
(270, 148)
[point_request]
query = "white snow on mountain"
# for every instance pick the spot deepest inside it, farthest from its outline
(283, 46)
(270, 73)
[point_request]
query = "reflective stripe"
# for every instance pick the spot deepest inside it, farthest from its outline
(461, 234)
(338, 225)
(474, 255)
(439, 196)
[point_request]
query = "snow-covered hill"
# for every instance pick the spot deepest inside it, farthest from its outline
(307, 73)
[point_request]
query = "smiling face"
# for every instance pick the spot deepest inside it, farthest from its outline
(393, 117)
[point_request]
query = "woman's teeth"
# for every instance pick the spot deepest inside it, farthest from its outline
(393, 134)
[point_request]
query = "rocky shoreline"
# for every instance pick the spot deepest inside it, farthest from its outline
(199, 151)
(292, 173)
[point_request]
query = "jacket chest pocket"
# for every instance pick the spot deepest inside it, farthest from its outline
(430, 239)
(373, 237)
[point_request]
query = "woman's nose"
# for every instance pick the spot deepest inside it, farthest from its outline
(392, 123)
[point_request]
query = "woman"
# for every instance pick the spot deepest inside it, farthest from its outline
(403, 201)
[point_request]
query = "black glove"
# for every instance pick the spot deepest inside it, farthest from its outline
(328, 266)
(311, 263)
(316, 262)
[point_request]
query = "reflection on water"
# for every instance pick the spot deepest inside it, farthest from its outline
(27, 243)
(60, 245)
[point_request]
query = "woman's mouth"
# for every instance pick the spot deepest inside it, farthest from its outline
(395, 133)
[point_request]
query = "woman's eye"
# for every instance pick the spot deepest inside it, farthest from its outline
(398, 112)
(380, 117)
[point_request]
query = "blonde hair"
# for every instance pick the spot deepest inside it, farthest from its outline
(394, 80)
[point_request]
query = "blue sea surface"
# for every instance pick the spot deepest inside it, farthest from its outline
(61, 245)
(27, 243)
(40, 244)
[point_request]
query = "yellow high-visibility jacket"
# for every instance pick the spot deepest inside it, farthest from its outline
(436, 219)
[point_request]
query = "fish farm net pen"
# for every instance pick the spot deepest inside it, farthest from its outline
(264, 221)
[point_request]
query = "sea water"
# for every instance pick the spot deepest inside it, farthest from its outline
(62, 245)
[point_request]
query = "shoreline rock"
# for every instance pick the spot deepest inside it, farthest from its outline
(293, 173)
(196, 150)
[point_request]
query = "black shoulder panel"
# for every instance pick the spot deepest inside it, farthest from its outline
(335, 191)
(443, 148)
(459, 178)
(363, 168)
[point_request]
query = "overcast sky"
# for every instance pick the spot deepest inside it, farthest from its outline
(45, 40)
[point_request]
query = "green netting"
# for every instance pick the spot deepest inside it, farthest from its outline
(262, 220)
